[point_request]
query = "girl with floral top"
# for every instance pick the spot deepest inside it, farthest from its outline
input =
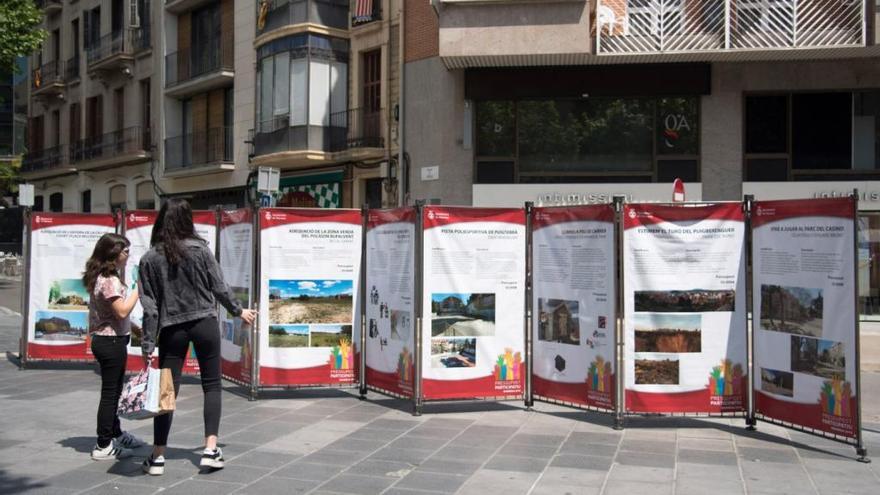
(110, 303)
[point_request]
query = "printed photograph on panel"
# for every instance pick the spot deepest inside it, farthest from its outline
(310, 301)
(664, 332)
(685, 301)
(288, 335)
(462, 315)
(661, 371)
(791, 310)
(558, 321)
(454, 352)
(777, 382)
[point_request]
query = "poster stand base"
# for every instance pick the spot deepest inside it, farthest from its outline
(863, 455)
(751, 423)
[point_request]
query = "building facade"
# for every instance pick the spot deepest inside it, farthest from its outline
(574, 101)
(90, 123)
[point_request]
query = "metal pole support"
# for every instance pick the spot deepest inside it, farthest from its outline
(528, 323)
(861, 450)
(751, 420)
(25, 289)
(418, 307)
(619, 320)
(362, 362)
(255, 297)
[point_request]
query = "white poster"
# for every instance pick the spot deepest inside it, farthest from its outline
(684, 306)
(236, 250)
(473, 332)
(58, 302)
(310, 261)
(390, 299)
(805, 314)
(574, 296)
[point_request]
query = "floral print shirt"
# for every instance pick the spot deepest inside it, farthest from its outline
(102, 318)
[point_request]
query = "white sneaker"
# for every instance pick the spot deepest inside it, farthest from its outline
(154, 466)
(212, 459)
(111, 452)
(129, 441)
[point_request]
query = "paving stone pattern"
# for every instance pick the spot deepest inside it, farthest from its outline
(330, 442)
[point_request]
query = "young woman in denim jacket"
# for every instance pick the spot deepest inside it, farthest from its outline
(181, 284)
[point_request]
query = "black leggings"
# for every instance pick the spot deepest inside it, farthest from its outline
(173, 347)
(111, 354)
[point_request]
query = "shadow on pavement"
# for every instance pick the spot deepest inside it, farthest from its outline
(17, 484)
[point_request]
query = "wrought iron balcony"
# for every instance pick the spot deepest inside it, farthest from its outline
(46, 160)
(117, 49)
(212, 65)
(198, 149)
(689, 26)
(50, 6)
(48, 79)
(71, 69)
(356, 128)
(131, 144)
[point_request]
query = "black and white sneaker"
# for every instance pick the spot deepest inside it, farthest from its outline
(212, 459)
(154, 466)
(110, 453)
(129, 441)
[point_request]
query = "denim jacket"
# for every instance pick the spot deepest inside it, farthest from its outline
(189, 293)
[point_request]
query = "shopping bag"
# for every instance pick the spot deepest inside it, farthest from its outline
(166, 391)
(140, 395)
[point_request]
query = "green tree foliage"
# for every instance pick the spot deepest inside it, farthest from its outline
(19, 31)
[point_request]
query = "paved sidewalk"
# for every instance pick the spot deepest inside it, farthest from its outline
(327, 441)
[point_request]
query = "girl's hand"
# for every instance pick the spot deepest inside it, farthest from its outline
(249, 316)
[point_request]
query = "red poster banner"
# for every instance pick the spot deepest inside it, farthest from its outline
(309, 279)
(57, 312)
(684, 309)
(804, 313)
(473, 341)
(574, 299)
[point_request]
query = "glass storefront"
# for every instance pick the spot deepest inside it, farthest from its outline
(869, 265)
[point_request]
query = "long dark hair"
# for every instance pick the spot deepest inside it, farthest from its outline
(103, 259)
(174, 224)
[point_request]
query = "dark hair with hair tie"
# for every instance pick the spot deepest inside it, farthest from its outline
(103, 259)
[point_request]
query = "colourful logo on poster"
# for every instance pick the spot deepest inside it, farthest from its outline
(726, 379)
(835, 397)
(341, 356)
(599, 375)
(404, 366)
(509, 366)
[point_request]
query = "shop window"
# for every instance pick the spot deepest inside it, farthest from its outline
(597, 139)
(56, 202)
(812, 136)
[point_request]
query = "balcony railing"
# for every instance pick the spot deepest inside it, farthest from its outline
(688, 26)
(43, 160)
(50, 5)
(47, 75)
(274, 14)
(198, 148)
(125, 42)
(122, 142)
(365, 11)
(192, 62)
(362, 129)
(71, 69)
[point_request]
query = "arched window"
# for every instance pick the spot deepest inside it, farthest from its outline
(56, 202)
(118, 197)
(146, 199)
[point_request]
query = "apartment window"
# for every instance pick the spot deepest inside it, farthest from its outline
(119, 107)
(74, 37)
(75, 123)
(37, 142)
(812, 136)
(118, 197)
(56, 48)
(56, 202)
(146, 108)
(372, 91)
(117, 16)
(587, 140)
(205, 39)
(86, 201)
(38, 203)
(91, 27)
(94, 117)
(373, 192)
(56, 127)
(146, 199)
